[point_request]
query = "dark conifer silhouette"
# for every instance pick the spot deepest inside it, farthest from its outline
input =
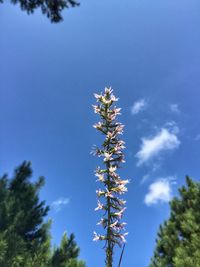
(51, 8)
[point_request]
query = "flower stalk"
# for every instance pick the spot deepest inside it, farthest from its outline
(112, 186)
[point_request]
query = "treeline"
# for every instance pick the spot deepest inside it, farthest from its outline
(25, 239)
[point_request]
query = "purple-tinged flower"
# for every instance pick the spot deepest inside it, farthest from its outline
(96, 109)
(123, 237)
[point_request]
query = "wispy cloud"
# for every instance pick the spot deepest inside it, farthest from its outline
(165, 139)
(159, 191)
(145, 177)
(138, 106)
(197, 138)
(174, 108)
(58, 204)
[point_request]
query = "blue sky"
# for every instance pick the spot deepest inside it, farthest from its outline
(148, 51)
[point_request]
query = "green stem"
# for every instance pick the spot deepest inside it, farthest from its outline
(109, 251)
(109, 248)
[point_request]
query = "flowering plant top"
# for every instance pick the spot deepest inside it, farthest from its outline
(109, 195)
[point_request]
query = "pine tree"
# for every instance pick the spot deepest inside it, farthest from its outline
(66, 255)
(51, 8)
(75, 263)
(23, 233)
(25, 239)
(178, 242)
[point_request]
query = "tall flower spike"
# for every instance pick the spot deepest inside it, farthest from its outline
(112, 185)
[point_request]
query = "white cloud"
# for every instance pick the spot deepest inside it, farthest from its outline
(159, 191)
(138, 106)
(166, 139)
(58, 204)
(174, 108)
(172, 127)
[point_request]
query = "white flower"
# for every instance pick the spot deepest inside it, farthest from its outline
(102, 222)
(123, 237)
(96, 237)
(112, 169)
(100, 193)
(120, 213)
(123, 182)
(108, 90)
(108, 194)
(98, 97)
(98, 126)
(113, 98)
(100, 177)
(107, 156)
(121, 189)
(96, 109)
(113, 225)
(99, 206)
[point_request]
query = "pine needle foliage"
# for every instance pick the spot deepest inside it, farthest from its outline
(51, 8)
(25, 239)
(178, 241)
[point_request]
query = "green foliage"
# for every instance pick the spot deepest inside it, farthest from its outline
(51, 8)
(25, 239)
(178, 243)
(22, 230)
(3, 247)
(75, 263)
(66, 255)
